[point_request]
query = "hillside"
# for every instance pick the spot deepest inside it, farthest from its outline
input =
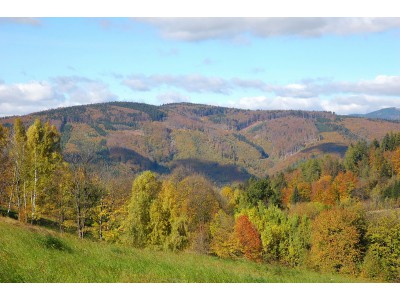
(225, 144)
(48, 257)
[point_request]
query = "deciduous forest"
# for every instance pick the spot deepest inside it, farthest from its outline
(327, 213)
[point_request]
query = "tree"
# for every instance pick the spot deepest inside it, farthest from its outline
(382, 260)
(248, 238)
(43, 146)
(337, 240)
(356, 157)
(199, 203)
(295, 196)
(162, 214)
(259, 190)
(395, 161)
(322, 191)
(344, 185)
(221, 228)
(145, 190)
(86, 194)
(311, 170)
(5, 165)
(20, 161)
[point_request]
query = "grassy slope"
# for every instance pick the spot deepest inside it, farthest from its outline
(32, 254)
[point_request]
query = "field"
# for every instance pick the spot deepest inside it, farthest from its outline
(34, 254)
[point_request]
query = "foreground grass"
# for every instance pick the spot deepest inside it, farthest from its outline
(33, 254)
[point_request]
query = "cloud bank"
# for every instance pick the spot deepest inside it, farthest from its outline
(21, 21)
(200, 29)
(342, 97)
(23, 98)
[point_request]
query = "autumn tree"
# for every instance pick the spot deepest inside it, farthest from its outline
(228, 197)
(19, 156)
(85, 194)
(395, 161)
(337, 240)
(344, 185)
(199, 204)
(322, 191)
(42, 157)
(5, 166)
(222, 239)
(248, 238)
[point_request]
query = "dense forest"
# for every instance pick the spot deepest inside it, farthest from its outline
(329, 214)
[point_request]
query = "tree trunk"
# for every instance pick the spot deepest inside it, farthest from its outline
(34, 191)
(25, 212)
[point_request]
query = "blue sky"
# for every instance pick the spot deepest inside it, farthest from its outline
(346, 65)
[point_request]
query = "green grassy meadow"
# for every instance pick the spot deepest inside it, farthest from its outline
(34, 254)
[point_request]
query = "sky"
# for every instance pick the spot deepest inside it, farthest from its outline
(344, 65)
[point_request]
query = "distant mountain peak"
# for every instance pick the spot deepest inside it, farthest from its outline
(388, 113)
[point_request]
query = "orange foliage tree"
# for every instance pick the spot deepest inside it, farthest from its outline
(395, 161)
(344, 184)
(337, 240)
(248, 238)
(322, 191)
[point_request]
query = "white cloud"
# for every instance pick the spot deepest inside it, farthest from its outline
(277, 103)
(380, 85)
(172, 97)
(342, 105)
(198, 29)
(27, 92)
(192, 83)
(23, 98)
(21, 21)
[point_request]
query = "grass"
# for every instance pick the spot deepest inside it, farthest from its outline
(35, 254)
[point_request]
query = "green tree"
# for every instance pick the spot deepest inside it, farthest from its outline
(382, 260)
(259, 190)
(295, 196)
(163, 213)
(356, 158)
(145, 190)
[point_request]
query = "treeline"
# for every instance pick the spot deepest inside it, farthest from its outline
(328, 214)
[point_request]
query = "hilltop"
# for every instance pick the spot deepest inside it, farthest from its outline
(225, 144)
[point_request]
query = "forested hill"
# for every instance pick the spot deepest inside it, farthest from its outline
(225, 144)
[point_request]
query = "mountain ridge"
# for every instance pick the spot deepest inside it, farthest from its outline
(225, 144)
